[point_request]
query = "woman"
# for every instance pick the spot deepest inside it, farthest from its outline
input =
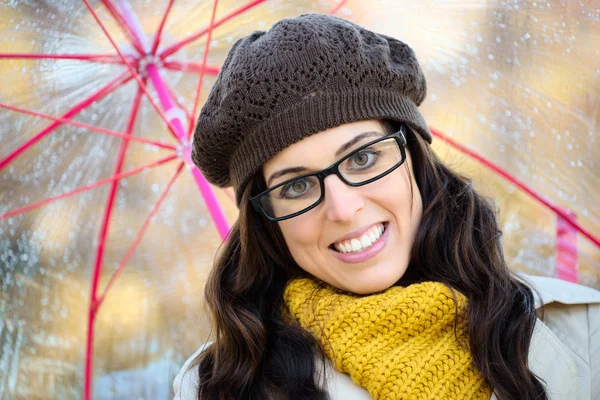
(361, 266)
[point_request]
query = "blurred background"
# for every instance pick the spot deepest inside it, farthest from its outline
(515, 83)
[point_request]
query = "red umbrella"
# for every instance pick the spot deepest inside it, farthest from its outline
(145, 61)
(144, 81)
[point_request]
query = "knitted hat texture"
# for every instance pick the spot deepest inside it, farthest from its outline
(305, 75)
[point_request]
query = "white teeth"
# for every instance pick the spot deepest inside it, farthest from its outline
(365, 241)
(355, 245)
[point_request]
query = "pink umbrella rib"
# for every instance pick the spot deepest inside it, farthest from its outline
(106, 89)
(177, 46)
(88, 187)
(203, 68)
(98, 58)
(158, 35)
(102, 242)
(191, 67)
(123, 25)
(90, 127)
(521, 185)
(139, 236)
(337, 8)
(174, 97)
(131, 70)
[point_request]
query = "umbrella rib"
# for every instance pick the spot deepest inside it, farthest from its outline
(138, 237)
(103, 91)
(178, 103)
(124, 27)
(88, 187)
(98, 58)
(177, 46)
(94, 305)
(136, 76)
(337, 8)
(90, 127)
(202, 69)
(158, 35)
(521, 185)
(189, 67)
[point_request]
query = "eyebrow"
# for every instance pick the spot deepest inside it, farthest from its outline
(343, 148)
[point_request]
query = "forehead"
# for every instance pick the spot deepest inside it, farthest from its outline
(313, 151)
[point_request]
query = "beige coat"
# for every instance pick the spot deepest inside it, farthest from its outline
(565, 347)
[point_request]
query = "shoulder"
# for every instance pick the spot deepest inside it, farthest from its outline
(552, 290)
(185, 384)
(567, 334)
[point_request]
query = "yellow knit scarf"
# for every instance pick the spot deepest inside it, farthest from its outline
(397, 344)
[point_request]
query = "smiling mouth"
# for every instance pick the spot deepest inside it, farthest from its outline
(361, 243)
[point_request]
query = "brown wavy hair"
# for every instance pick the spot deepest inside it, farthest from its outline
(257, 355)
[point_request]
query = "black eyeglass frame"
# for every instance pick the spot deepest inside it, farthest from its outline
(333, 170)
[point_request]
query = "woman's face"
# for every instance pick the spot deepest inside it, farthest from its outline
(348, 213)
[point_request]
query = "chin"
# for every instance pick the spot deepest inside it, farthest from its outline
(374, 281)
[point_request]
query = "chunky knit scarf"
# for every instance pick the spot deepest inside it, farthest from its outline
(397, 344)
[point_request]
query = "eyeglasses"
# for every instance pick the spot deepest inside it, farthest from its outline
(364, 165)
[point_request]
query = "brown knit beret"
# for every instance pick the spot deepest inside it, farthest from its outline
(305, 75)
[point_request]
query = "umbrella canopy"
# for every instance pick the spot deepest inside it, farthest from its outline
(107, 231)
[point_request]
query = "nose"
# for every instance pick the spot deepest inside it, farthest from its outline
(342, 202)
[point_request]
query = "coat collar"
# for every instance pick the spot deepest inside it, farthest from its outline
(549, 290)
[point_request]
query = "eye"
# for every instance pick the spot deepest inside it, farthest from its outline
(362, 159)
(297, 188)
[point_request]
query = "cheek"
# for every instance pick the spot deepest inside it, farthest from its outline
(300, 233)
(393, 192)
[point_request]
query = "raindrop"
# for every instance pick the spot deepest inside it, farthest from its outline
(155, 187)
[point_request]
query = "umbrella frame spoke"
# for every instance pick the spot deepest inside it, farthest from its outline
(177, 46)
(338, 6)
(88, 187)
(158, 35)
(67, 121)
(518, 183)
(189, 67)
(139, 236)
(203, 68)
(134, 40)
(108, 210)
(102, 92)
(96, 58)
